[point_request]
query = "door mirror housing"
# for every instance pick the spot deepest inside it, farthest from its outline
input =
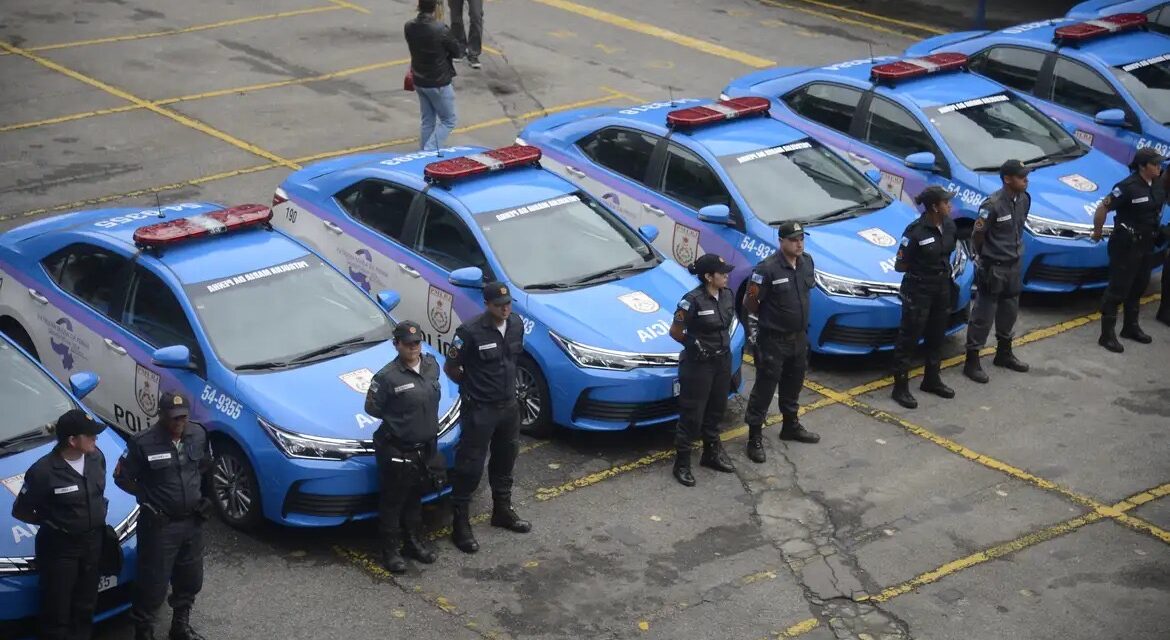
(648, 232)
(471, 277)
(715, 214)
(83, 383)
(1111, 118)
(388, 299)
(173, 357)
(921, 161)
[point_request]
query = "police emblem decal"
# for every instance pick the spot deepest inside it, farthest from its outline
(686, 244)
(1079, 182)
(14, 483)
(358, 380)
(146, 390)
(439, 309)
(639, 301)
(877, 237)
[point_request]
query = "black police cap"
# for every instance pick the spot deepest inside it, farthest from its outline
(408, 331)
(496, 293)
(76, 422)
(710, 263)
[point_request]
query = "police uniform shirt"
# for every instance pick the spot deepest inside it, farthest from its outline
(406, 400)
(488, 358)
(1001, 218)
(925, 250)
(169, 475)
(62, 498)
(783, 292)
(706, 319)
(1138, 205)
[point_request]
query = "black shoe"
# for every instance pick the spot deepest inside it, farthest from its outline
(901, 393)
(755, 447)
(1004, 357)
(417, 548)
(181, 626)
(1134, 332)
(473, 61)
(682, 469)
(504, 517)
(932, 383)
(973, 369)
(461, 533)
(714, 457)
(796, 431)
(392, 561)
(1108, 339)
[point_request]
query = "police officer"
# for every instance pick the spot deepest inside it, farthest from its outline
(778, 294)
(1138, 201)
(997, 242)
(64, 495)
(405, 395)
(701, 324)
(1163, 315)
(924, 256)
(164, 467)
(482, 361)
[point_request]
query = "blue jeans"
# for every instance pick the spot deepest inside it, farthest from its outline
(436, 104)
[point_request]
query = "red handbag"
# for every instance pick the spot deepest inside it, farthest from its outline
(408, 81)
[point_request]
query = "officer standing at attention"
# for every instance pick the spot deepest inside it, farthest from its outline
(924, 256)
(405, 395)
(778, 294)
(164, 467)
(482, 361)
(997, 242)
(1138, 200)
(64, 495)
(701, 325)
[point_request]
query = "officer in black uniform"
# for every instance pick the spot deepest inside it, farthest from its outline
(778, 294)
(166, 467)
(701, 324)
(1138, 200)
(482, 361)
(1163, 315)
(998, 243)
(405, 395)
(924, 255)
(64, 495)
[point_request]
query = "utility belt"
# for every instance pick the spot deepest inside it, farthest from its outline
(165, 517)
(989, 262)
(488, 404)
(695, 353)
(1138, 232)
(777, 334)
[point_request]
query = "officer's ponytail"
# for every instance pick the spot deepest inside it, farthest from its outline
(693, 269)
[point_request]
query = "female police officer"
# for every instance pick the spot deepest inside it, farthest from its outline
(64, 494)
(701, 325)
(925, 257)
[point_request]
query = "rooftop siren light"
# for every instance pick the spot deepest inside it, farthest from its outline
(202, 225)
(918, 67)
(470, 165)
(1108, 25)
(717, 112)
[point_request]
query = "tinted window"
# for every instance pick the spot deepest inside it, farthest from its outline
(90, 273)
(1017, 68)
(154, 314)
(828, 104)
(30, 398)
(379, 205)
(1149, 83)
(444, 239)
(1081, 89)
(893, 130)
(985, 132)
(1160, 19)
(621, 150)
(690, 181)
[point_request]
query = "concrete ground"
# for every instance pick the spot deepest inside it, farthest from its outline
(1032, 507)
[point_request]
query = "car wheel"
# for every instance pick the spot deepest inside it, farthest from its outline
(234, 488)
(12, 329)
(532, 394)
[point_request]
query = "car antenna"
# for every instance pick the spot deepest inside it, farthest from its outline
(158, 205)
(670, 88)
(870, 52)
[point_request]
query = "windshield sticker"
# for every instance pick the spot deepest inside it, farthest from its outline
(257, 275)
(1079, 182)
(1083, 136)
(878, 237)
(358, 380)
(1145, 63)
(538, 206)
(892, 184)
(14, 483)
(653, 106)
(419, 155)
(764, 153)
(639, 301)
(966, 104)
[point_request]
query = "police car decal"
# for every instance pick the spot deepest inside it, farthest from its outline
(221, 402)
(256, 275)
(537, 206)
(640, 302)
(686, 244)
(419, 155)
(440, 308)
(358, 380)
(758, 248)
(967, 196)
(878, 236)
(633, 111)
(966, 104)
(1162, 148)
(1031, 26)
(764, 153)
(14, 483)
(1145, 63)
(110, 223)
(853, 63)
(1079, 182)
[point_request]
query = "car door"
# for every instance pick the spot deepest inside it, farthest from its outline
(686, 184)
(621, 159)
(887, 134)
(1076, 93)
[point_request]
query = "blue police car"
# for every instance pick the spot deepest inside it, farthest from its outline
(32, 401)
(720, 177)
(927, 122)
(595, 297)
(1157, 11)
(274, 346)
(1108, 80)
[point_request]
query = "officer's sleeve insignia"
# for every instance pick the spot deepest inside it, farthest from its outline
(984, 211)
(683, 305)
(905, 241)
(757, 277)
(680, 316)
(981, 220)
(1116, 193)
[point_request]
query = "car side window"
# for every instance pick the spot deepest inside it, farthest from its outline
(1081, 89)
(893, 130)
(689, 180)
(622, 150)
(379, 205)
(89, 273)
(153, 313)
(829, 104)
(1013, 66)
(444, 239)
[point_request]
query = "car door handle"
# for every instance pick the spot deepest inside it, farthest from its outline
(115, 347)
(859, 157)
(332, 227)
(32, 293)
(409, 271)
(575, 172)
(653, 209)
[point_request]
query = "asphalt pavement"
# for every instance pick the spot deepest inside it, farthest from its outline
(1032, 507)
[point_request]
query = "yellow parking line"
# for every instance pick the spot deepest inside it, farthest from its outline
(68, 118)
(643, 28)
(873, 16)
(350, 5)
(837, 18)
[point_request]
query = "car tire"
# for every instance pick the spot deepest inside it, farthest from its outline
(533, 397)
(235, 491)
(12, 329)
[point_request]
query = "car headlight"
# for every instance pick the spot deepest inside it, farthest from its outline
(1065, 230)
(127, 526)
(839, 286)
(299, 445)
(448, 420)
(598, 358)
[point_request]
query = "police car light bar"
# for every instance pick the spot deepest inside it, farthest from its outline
(915, 67)
(717, 112)
(205, 224)
(1090, 29)
(510, 157)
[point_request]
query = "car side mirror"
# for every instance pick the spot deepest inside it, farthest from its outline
(83, 383)
(648, 232)
(921, 161)
(467, 277)
(715, 214)
(874, 175)
(173, 357)
(1111, 118)
(388, 300)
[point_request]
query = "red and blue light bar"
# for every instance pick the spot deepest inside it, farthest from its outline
(205, 224)
(717, 112)
(1108, 25)
(510, 157)
(918, 67)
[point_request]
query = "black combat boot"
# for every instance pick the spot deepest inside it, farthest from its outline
(504, 516)
(901, 393)
(181, 626)
(461, 533)
(793, 430)
(932, 382)
(1108, 338)
(1006, 359)
(714, 457)
(973, 369)
(1132, 330)
(417, 547)
(682, 468)
(392, 559)
(755, 445)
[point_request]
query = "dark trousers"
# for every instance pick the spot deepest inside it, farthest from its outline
(1130, 262)
(401, 488)
(781, 361)
(997, 302)
(1164, 306)
(487, 429)
(703, 389)
(925, 309)
(67, 565)
(472, 39)
(169, 552)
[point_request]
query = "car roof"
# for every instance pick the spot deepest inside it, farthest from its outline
(1113, 50)
(931, 90)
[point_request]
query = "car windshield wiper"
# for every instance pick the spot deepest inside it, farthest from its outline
(646, 263)
(848, 212)
(261, 366)
(12, 444)
(1051, 158)
(336, 346)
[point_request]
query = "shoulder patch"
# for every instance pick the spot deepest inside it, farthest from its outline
(457, 342)
(684, 305)
(905, 241)
(1116, 193)
(757, 277)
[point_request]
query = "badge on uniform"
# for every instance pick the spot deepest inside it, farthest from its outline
(757, 278)
(684, 304)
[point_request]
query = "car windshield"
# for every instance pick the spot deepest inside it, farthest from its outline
(285, 315)
(589, 243)
(800, 181)
(1148, 81)
(30, 398)
(984, 132)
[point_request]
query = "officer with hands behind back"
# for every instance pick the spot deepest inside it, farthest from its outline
(405, 395)
(167, 468)
(64, 494)
(701, 324)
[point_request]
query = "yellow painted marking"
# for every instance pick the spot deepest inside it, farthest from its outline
(534, 445)
(1137, 524)
(531, 564)
(350, 5)
(759, 577)
(627, 96)
(773, 23)
(842, 20)
(607, 49)
(643, 28)
(492, 50)
(68, 118)
(1145, 496)
(874, 16)
(562, 34)
(658, 64)
(644, 626)
(800, 628)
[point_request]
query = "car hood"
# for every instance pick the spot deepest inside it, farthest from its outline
(326, 398)
(631, 314)
(1069, 191)
(861, 248)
